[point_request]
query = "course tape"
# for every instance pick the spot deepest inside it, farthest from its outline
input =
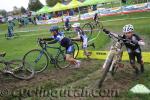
(103, 54)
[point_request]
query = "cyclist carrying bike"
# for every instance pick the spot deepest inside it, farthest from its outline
(64, 42)
(134, 51)
(81, 36)
(96, 18)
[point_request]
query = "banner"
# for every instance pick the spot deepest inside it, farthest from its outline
(102, 12)
(51, 21)
(103, 54)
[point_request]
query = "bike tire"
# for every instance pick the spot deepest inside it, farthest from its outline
(105, 70)
(33, 57)
(20, 70)
(87, 28)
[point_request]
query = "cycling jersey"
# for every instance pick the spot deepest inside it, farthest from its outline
(64, 42)
(59, 36)
(135, 47)
(83, 37)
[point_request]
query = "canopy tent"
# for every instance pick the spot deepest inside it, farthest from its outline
(45, 9)
(93, 2)
(74, 4)
(58, 7)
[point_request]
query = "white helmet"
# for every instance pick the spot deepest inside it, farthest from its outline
(76, 25)
(128, 28)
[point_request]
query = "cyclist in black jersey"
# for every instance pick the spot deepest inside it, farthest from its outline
(134, 51)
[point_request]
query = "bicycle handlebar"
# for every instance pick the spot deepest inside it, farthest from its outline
(118, 37)
(41, 42)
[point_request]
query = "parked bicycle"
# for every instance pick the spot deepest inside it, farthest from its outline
(114, 57)
(40, 58)
(16, 68)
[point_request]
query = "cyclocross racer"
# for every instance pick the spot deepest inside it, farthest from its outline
(133, 51)
(64, 42)
(81, 37)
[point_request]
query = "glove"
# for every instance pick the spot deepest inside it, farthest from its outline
(106, 31)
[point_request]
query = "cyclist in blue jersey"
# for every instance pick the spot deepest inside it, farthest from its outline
(64, 42)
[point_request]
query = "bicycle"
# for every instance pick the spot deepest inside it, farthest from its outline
(40, 58)
(16, 68)
(88, 27)
(114, 57)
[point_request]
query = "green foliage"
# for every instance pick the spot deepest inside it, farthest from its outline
(52, 2)
(34, 6)
(3, 13)
(23, 10)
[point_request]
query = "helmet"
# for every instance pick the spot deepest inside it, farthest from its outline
(54, 28)
(128, 28)
(76, 25)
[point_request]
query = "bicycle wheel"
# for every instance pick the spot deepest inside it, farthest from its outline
(20, 70)
(87, 28)
(61, 59)
(38, 59)
(108, 63)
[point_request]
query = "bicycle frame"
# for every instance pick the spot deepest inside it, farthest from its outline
(59, 51)
(115, 53)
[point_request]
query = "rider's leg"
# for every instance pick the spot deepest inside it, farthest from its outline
(84, 46)
(132, 62)
(140, 61)
(69, 56)
(70, 59)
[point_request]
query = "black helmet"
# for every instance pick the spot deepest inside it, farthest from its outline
(54, 28)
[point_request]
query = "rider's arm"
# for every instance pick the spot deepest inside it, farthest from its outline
(140, 41)
(77, 38)
(49, 40)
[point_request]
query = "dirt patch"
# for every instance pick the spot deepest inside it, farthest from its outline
(54, 77)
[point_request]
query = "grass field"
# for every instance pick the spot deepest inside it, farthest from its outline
(17, 47)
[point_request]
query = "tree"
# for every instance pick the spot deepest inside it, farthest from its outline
(23, 10)
(34, 5)
(3, 13)
(52, 2)
(124, 1)
(16, 10)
